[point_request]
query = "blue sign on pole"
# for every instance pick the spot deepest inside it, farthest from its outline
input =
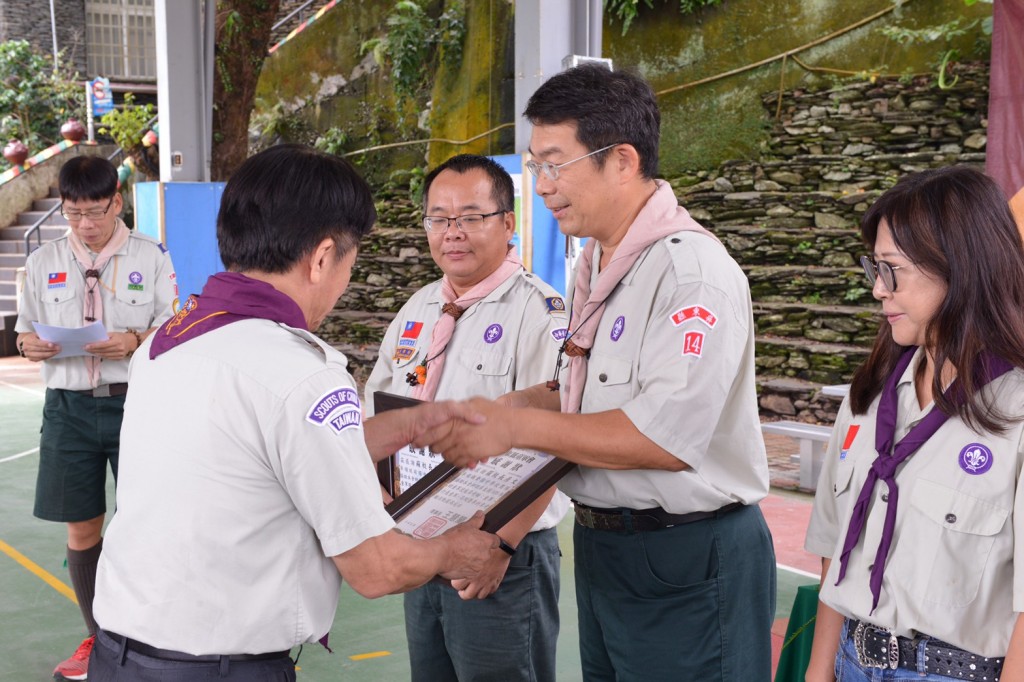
(102, 97)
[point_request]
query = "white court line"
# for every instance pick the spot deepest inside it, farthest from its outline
(22, 388)
(784, 567)
(19, 455)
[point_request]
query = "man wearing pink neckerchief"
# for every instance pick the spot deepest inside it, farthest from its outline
(99, 272)
(486, 328)
(675, 572)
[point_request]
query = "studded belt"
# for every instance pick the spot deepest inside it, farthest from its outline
(878, 648)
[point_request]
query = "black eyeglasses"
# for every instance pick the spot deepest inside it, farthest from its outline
(91, 214)
(471, 222)
(874, 269)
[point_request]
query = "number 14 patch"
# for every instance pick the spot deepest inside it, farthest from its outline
(693, 343)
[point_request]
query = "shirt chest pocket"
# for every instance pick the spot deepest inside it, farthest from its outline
(482, 373)
(62, 306)
(609, 383)
(841, 484)
(955, 534)
(134, 309)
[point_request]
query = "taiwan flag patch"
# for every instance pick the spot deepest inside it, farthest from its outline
(851, 433)
(412, 330)
(57, 280)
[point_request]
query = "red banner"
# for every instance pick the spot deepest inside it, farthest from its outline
(1004, 159)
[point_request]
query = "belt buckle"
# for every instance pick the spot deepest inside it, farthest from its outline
(101, 391)
(892, 658)
(586, 517)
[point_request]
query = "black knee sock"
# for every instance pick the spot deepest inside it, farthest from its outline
(82, 567)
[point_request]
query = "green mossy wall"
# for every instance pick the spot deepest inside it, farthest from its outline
(707, 124)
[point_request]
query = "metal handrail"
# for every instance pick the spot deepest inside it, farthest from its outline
(37, 225)
(292, 14)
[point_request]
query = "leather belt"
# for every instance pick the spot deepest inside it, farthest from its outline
(182, 657)
(878, 648)
(636, 520)
(105, 391)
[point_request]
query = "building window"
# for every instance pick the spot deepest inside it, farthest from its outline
(121, 38)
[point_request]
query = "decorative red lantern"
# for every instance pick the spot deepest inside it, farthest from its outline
(16, 152)
(72, 130)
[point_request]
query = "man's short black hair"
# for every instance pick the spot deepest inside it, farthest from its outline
(87, 178)
(284, 201)
(502, 188)
(608, 107)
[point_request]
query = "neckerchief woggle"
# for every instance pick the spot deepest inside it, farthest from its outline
(988, 368)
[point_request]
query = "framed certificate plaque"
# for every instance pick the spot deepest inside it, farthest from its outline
(431, 496)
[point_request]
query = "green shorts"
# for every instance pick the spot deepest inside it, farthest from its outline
(80, 435)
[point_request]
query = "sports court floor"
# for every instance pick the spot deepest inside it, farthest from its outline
(40, 624)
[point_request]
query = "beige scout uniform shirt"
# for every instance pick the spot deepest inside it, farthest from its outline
(243, 469)
(675, 351)
(954, 571)
(506, 341)
(55, 294)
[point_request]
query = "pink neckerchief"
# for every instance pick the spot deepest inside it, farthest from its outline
(453, 308)
(661, 216)
(92, 269)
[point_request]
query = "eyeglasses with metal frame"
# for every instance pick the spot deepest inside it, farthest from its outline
(91, 214)
(471, 222)
(874, 269)
(551, 169)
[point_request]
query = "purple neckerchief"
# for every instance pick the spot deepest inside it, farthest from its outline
(227, 297)
(989, 367)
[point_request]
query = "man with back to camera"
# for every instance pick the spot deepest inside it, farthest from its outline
(486, 328)
(675, 571)
(99, 271)
(247, 488)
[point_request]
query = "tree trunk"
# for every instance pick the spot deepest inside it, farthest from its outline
(242, 32)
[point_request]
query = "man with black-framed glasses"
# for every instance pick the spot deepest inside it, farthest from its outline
(100, 271)
(486, 328)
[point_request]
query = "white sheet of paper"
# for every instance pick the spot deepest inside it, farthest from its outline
(71, 339)
(470, 490)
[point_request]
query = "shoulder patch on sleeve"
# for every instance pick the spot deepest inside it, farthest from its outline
(694, 312)
(339, 408)
(555, 304)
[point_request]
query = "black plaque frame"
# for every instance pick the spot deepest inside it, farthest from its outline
(496, 516)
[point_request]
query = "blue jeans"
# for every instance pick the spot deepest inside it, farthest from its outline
(691, 602)
(508, 637)
(109, 663)
(849, 669)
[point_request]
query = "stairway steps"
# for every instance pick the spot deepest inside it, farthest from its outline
(30, 218)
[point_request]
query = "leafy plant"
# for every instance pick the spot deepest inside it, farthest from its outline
(333, 141)
(855, 293)
(627, 10)
(36, 96)
(413, 42)
(127, 125)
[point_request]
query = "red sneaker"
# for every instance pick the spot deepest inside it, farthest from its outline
(76, 667)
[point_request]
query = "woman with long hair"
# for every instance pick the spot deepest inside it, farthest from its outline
(915, 514)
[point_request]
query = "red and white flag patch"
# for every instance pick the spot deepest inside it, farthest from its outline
(693, 343)
(698, 312)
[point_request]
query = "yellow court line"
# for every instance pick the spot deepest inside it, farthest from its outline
(38, 570)
(373, 654)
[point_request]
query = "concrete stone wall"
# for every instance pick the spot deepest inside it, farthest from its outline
(30, 20)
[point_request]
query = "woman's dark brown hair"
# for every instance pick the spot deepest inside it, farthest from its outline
(955, 224)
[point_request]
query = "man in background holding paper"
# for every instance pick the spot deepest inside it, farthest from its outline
(486, 328)
(99, 276)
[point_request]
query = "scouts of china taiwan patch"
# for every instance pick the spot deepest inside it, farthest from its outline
(407, 341)
(555, 304)
(851, 434)
(691, 312)
(339, 408)
(57, 280)
(135, 281)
